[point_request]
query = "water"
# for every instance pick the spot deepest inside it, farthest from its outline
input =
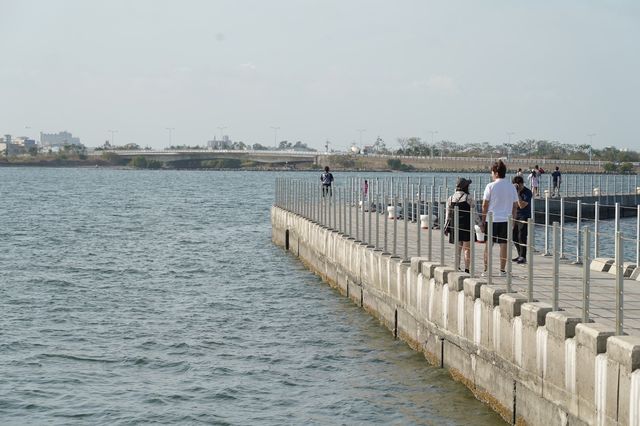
(157, 297)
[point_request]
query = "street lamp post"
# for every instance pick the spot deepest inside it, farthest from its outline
(113, 132)
(591, 135)
(221, 128)
(361, 131)
(433, 134)
(170, 129)
(509, 134)
(275, 135)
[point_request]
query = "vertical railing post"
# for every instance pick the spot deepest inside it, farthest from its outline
(616, 222)
(489, 248)
(456, 237)
(596, 230)
(406, 226)
(619, 285)
(429, 229)
(556, 266)
(395, 225)
(418, 218)
(546, 223)
(378, 208)
(578, 221)
(472, 241)
(531, 236)
(586, 275)
(561, 227)
(441, 215)
(369, 197)
(386, 219)
(509, 250)
(638, 236)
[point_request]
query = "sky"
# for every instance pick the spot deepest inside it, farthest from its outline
(342, 71)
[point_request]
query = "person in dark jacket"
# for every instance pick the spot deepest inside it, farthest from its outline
(326, 179)
(465, 203)
(523, 213)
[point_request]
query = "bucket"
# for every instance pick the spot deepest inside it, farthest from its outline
(424, 221)
(479, 234)
(393, 211)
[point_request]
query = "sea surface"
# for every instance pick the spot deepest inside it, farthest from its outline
(142, 297)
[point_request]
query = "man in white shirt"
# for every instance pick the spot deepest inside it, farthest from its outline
(501, 199)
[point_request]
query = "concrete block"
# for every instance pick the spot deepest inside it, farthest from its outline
(535, 313)
(635, 275)
(472, 287)
(384, 312)
(562, 324)
(495, 387)
(416, 264)
(428, 269)
(601, 264)
(455, 311)
(625, 350)
(511, 304)
(591, 340)
(627, 269)
(441, 273)
(459, 363)
(404, 276)
(407, 329)
(593, 337)
(532, 409)
(490, 294)
(456, 280)
(490, 297)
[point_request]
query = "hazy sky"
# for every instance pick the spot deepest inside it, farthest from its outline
(321, 69)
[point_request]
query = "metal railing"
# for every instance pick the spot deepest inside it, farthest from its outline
(405, 218)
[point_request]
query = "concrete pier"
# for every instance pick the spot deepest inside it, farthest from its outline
(531, 364)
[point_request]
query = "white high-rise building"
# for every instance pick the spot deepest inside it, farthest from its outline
(58, 139)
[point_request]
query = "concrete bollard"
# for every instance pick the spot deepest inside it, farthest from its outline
(424, 221)
(591, 340)
(394, 212)
(621, 395)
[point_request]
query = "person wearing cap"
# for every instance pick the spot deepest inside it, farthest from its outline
(465, 203)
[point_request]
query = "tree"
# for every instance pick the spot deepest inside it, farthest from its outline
(259, 147)
(284, 145)
(626, 167)
(403, 144)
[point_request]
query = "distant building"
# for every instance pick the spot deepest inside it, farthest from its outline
(225, 143)
(11, 146)
(58, 139)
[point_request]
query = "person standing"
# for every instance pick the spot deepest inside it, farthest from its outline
(557, 180)
(523, 213)
(500, 199)
(465, 203)
(519, 172)
(534, 182)
(327, 179)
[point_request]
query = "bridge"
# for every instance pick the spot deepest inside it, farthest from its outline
(169, 156)
(373, 161)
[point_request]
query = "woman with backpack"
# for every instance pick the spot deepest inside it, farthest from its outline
(465, 203)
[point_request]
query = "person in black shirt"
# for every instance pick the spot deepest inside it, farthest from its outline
(523, 212)
(327, 179)
(557, 180)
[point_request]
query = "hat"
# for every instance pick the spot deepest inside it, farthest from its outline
(463, 183)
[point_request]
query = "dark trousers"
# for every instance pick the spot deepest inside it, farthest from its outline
(326, 190)
(520, 233)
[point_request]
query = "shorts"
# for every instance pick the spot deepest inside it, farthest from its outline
(499, 232)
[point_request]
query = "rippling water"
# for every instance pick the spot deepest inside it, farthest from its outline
(157, 296)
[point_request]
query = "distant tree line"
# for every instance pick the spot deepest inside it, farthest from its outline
(528, 148)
